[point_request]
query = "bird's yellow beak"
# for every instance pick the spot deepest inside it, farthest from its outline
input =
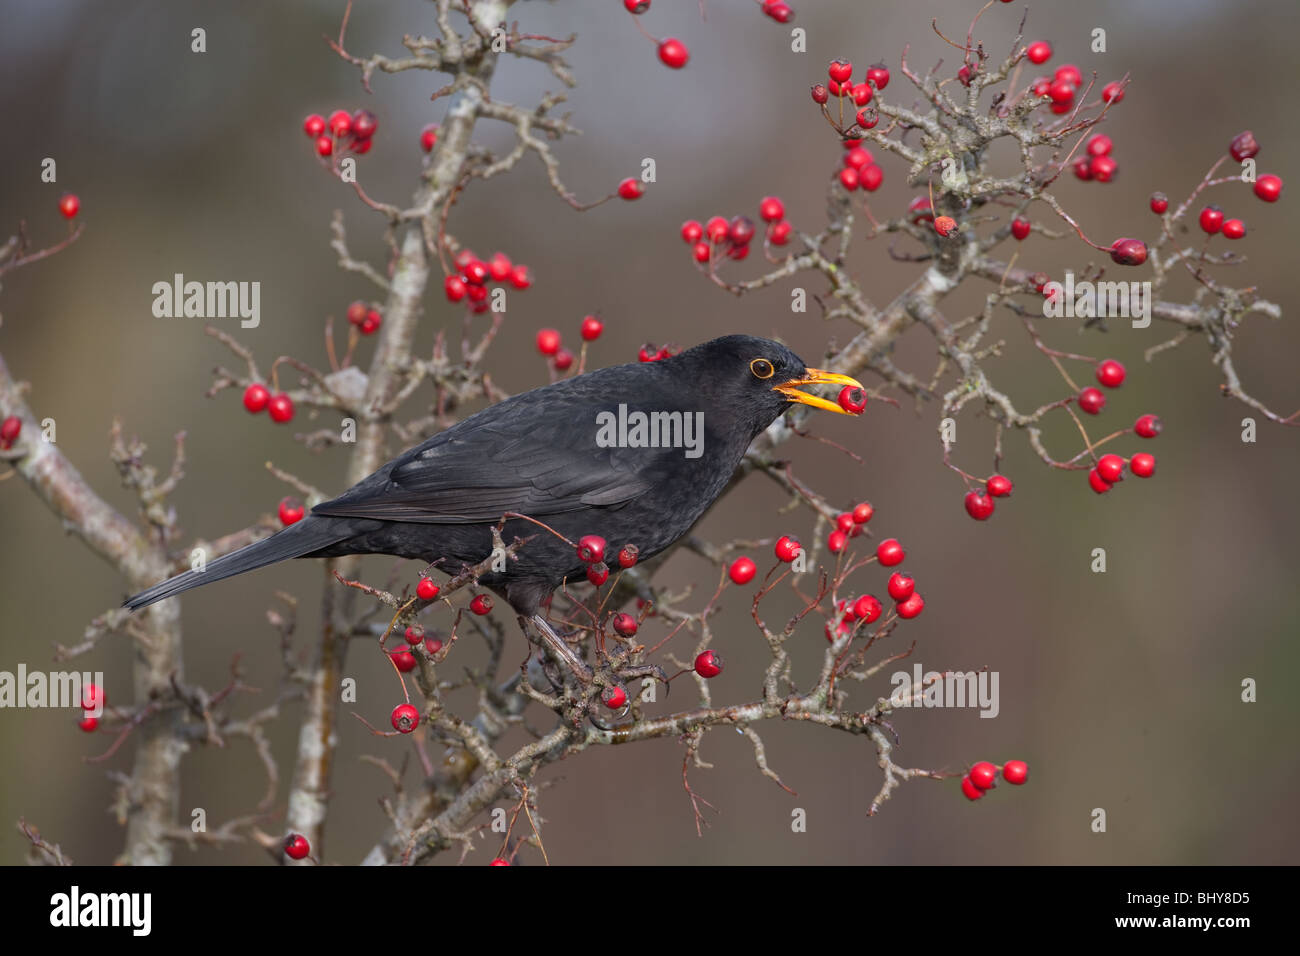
(816, 376)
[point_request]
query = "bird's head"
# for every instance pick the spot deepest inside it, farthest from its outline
(758, 378)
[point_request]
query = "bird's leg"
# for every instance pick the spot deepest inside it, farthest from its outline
(559, 647)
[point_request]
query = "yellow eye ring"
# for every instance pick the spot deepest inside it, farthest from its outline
(762, 368)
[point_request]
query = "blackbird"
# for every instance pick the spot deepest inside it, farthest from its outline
(632, 453)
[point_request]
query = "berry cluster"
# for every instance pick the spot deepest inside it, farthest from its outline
(354, 130)
(364, 318)
(719, 237)
(983, 776)
(655, 353)
(550, 344)
(473, 277)
(258, 397)
(93, 697)
(1098, 164)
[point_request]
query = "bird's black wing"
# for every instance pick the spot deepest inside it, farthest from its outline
(535, 454)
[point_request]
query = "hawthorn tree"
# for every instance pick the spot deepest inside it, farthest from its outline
(965, 226)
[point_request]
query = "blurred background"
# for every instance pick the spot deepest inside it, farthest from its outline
(1121, 690)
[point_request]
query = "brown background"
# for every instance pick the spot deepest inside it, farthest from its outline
(1121, 690)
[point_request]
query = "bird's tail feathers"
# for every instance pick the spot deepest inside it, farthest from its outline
(292, 542)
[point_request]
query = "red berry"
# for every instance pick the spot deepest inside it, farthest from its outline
(364, 124)
(901, 586)
(403, 660)
(717, 229)
(499, 862)
(499, 267)
(427, 589)
(983, 775)
(291, 511)
(971, 791)
(10, 428)
(591, 328)
(340, 123)
(820, 94)
(1128, 252)
(69, 204)
(370, 325)
(1092, 400)
(1103, 168)
(965, 75)
(1097, 483)
(482, 604)
(548, 341)
(870, 177)
(771, 209)
(630, 188)
(852, 399)
(862, 513)
(866, 608)
(1110, 468)
(999, 486)
(1038, 52)
(636, 6)
(360, 146)
(591, 548)
(280, 408)
(1082, 168)
(1148, 426)
(845, 523)
(357, 313)
(1111, 373)
(673, 53)
(1243, 146)
(979, 504)
(256, 398)
(405, 718)
(890, 552)
(520, 277)
(313, 125)
(779, 233)
(1159, 203)
(1069, 73)
(857, 157)
(324, 146)
(740, 230)
(563, 360)
(868, 118)
(787, 548)
(627, 555)
(454, 286)
(862, 93)
(1268, 188)
(1142, 465)
(598, 573)
(1112, 92)
(625, 624)
(613, 697)
(849, 178)
(840, 70)
(1099, 144)
(708, 664)
(429, 137)
(837, 541)
(692, 231)
(432, 645)
(1015, 772)
(1061, 91)
(1020, 227)
(945, 225)
(1234, 229)
(910, 608)
(296, 846)
(1211, 218)
(743, 570)
(702, 252)
(1041, 86)
(88, 724)
(878, 76)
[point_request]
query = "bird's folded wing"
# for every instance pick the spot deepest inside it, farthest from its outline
(531, 465)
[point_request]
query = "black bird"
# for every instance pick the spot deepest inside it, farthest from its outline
(577, 455)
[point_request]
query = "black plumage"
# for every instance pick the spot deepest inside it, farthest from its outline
(543, 454)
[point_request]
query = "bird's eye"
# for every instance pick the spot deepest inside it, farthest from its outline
(762, 368)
